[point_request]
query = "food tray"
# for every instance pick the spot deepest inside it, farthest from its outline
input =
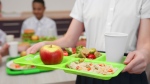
(36, 61)
(22, 72)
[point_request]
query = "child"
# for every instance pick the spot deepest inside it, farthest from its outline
(39, 23)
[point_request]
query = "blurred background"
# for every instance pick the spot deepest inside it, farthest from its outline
(20, 6)
(14, 12)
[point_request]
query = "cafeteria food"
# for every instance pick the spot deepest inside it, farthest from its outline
(15, 66)
(98, 68)
(43, 38)
(51, 54)
(27, 34)
(83, 52)
(69, 51)
(23, 53)
(30, 36)
(51, 38)
(34, 38)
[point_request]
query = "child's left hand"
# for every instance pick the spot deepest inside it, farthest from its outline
(136, 62)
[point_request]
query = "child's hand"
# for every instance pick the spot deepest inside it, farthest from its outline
(4, 50)
(136, 62)
(33, 49)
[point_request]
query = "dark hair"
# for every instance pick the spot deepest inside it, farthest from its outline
(39, 1)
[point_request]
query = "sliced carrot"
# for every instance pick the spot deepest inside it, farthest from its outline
(77, 67)
(88, 69)
(110, 70)
(17, 66)
(101, 64)
(90, 64)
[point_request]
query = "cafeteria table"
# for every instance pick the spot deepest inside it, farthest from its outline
(50, 77)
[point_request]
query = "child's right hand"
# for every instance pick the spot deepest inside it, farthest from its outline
(34, 48)
(4, 50)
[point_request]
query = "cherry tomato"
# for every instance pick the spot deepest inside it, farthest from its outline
(65, 53)
(17, 66)
(73, 50)
(91, 56)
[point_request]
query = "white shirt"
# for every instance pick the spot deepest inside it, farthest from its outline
(101, 16)
(43, 27)
(2, 36)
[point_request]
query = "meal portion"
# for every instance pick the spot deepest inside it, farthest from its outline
(15, 66)
(29, 35)
(82, 52)
(101, 68)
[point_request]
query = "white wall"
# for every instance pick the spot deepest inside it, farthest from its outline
(25, 5)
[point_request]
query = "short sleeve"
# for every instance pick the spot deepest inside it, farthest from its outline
(53, 25)
(77, 11)
(23, 27)
(145, 9)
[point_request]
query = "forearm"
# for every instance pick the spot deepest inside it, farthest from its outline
(143, 43)
(63, 42)
(144, 47)
(72, 36)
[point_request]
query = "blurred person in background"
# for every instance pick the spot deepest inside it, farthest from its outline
(39, 22)
(2, 37)
(3, 51)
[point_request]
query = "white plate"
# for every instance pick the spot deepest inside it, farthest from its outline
(10, 62)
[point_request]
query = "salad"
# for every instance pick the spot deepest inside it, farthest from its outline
(82, 52)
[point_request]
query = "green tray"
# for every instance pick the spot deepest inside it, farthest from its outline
(22, 72)
(35, 60)
(94, 75)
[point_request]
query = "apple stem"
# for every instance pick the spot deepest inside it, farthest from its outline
(50, 46)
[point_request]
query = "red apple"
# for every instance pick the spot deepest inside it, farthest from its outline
(51, 54)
